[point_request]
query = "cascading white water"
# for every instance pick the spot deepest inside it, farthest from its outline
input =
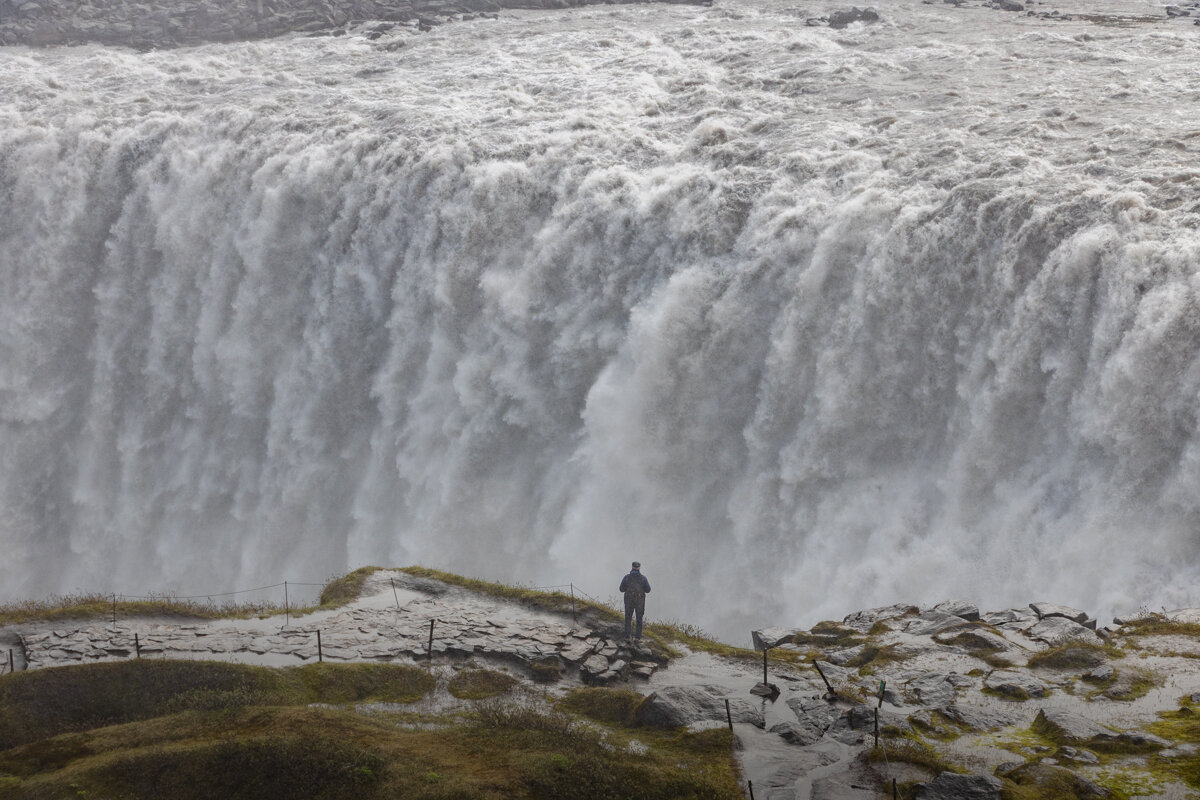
(805, 320)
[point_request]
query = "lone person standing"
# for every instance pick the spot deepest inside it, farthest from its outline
(635, 588)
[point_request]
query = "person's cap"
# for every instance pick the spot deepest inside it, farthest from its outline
(637, 565)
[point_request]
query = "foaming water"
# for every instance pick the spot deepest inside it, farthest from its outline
(805, 320)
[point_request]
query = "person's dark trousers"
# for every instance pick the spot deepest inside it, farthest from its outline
(632, 607)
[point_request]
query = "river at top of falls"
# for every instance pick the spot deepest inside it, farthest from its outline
(804, 319)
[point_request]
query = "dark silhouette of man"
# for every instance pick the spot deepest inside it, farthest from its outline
(635, 587)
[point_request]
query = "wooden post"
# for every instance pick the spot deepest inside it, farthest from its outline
(430, 641)
(822, 674)
(877, 728)
(287, 614)
(11, 667)
(393, 580)
(728, 715)
(895, 794)
(573, 617)
(765, 649)
(750, 784)
(114, 608)
(137, 645)
(320, 655)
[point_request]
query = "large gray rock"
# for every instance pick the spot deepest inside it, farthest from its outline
(797, 733)
(1044, 610)
(931, 622)
(1011, 619)
(841, 787)
(813, 717)
(680, 706)
(949, 786)
(1056, 631)
(932, 690)
(766, 638)
(959, 608)
(977, 718)
(1018, 685)
(863, 621)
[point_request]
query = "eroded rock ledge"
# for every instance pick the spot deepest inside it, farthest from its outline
(148, 25)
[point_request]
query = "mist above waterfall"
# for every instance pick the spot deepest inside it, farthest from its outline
(804, 320)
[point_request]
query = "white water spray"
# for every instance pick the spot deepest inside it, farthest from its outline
(805, 320)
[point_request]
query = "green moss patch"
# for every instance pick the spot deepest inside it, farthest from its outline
(476, 684)
(614, 706)
(42, 703)
(1070, 657)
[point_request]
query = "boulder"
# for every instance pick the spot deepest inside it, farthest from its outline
(932, 690)
(1065, 726)
(950, 786)
(766, 638)
(1136, 616)
(1060, 630)
(840, 657)
(841, 19)
(1044, 610)
(1009, 5)
(814, 717)
(680, 706)
(1100, 674)
(1014, 617)
(1017, 685)
(863, 621)
(975, 639)
(959, 608)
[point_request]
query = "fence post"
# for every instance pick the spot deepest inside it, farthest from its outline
(573, 617)
(876, 728)
(895, 795)
(287, 614)
(431, 641)
(393, 580)
(750, 784)
(822, 674)
(114, 608)
(765, 665)
(137, 645)
(320, 655)
(728, 715)
(11, 667)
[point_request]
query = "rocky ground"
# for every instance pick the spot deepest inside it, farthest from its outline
(1024, 702)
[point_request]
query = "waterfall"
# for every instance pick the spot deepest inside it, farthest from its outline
(529, 312)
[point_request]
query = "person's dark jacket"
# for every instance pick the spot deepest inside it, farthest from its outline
(635, 583)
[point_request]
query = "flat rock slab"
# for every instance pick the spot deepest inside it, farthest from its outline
(1056, 631)
(1014, 618)
(978, 718)
(841, 788)
(976, 639)
(1044, 610)
(931, 622)
(948, 786)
